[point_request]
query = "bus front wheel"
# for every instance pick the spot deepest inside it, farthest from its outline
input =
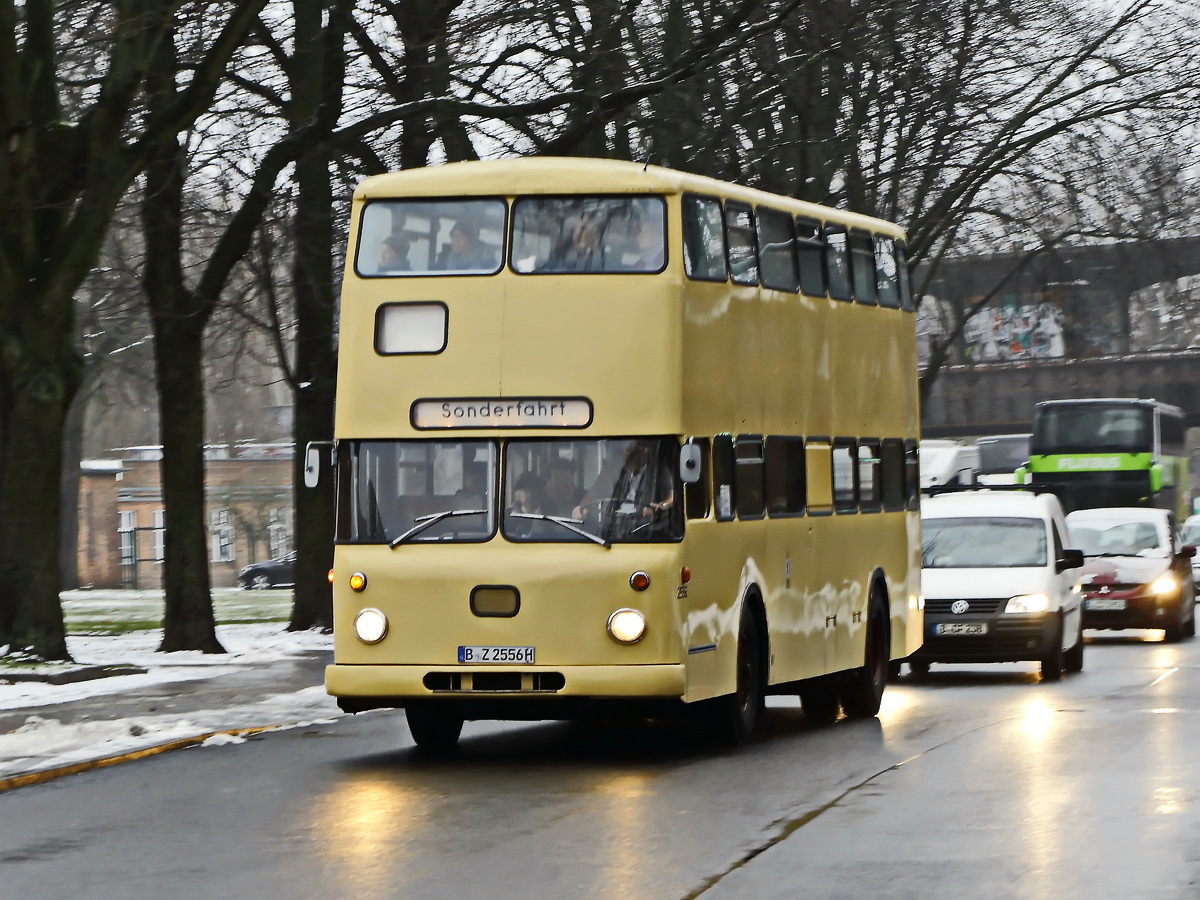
(433, 728)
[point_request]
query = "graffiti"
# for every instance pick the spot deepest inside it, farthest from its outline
(1020, 332)
(997, 334)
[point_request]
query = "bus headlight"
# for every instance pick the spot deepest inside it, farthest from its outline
(1164, 585)
(1028, 603)
(370, 625)
(627, 626)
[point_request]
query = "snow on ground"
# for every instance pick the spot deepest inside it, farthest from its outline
(44, 741)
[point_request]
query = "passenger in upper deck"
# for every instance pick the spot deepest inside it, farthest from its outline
(464, 251)
(393, 254)
(649, 250)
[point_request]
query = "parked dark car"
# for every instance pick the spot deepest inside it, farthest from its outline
(1138, 570)
(269, 573)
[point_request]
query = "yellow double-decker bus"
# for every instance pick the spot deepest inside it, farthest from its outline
(615, 439)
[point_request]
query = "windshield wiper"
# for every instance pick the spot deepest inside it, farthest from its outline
(569, 524)
(424, 522)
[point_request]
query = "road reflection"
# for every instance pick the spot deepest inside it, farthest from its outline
(358, 826)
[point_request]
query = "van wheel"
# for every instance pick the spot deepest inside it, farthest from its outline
(918, 668)
(862, 688)
(1054, 661)
(1073, 658)
(742, 711)
(433, 728)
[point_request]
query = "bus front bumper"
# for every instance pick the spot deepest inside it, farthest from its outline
(506, 691)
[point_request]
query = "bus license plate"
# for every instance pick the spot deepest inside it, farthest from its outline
(960, 628)
(496, 655)
(1107, 603)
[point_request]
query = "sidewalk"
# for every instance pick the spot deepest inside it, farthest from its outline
(269, 678)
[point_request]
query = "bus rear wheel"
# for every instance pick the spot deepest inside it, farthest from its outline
(819, 700)
(434, 729)
(862, 689)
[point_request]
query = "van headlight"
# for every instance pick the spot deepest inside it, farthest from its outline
(1028, 603)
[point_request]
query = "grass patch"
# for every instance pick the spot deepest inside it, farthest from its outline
(97, 613)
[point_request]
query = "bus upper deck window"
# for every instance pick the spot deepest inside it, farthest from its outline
(862, 266)
(742, 246)
(777, 250)
(401, 238)
(810, 256)
(885, 272)
(557, 235)
(902, 276)
(703, 238)
(837, 262)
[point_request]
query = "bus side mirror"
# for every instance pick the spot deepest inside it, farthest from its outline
(1022, 475)
(689, 463)
(1156, 478)
(1071, 559)
(312, 462)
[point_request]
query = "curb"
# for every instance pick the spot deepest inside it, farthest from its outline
(44, 775)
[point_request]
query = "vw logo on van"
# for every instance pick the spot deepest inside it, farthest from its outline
(958, 607)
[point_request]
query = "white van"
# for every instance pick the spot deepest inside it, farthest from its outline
(948, 463)
(999, 583)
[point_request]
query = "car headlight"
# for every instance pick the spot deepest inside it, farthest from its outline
(1166, 584)
(1028, 603)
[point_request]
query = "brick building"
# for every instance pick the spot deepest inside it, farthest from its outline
(249, 504)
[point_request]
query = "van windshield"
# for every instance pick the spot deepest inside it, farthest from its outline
(982, 543)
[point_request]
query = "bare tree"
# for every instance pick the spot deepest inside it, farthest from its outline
(71, 149)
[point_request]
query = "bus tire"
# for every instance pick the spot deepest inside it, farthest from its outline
(433, 728)
(743, 711)
(819, 700)
(862, 688)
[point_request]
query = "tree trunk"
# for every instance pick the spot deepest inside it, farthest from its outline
(188, 619)
(317, 77)
(43, 374)
(178, 319)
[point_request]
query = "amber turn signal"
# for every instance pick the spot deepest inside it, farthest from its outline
(358, 581)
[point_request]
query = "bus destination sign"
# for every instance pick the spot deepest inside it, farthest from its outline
(502, 412)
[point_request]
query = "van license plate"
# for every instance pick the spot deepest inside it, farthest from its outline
(960, 628)
(1106, 603)
(496, 655)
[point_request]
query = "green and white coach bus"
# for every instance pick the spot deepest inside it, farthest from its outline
(1109, 452)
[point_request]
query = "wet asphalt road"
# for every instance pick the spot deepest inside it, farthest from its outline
(978, 781)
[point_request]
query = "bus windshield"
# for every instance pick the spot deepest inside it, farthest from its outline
(614, 490)
(588, 234)
(412, 491)
(1092, 428)
(981, 543)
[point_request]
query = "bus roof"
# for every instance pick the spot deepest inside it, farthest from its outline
(572, 175)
